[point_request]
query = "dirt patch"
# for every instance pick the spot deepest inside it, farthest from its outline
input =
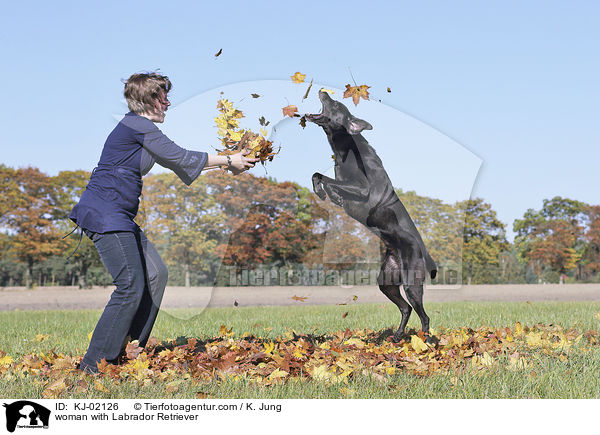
(69, 298)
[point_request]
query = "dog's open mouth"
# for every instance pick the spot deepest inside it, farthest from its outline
(313, 116)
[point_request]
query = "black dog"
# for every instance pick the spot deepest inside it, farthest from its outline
(365, 191)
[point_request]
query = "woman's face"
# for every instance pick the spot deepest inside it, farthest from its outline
(161, 105)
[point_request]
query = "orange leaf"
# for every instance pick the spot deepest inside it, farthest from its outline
(133, 349)
(289, 110)
(299, 298)
(298, 77)
(356, 92)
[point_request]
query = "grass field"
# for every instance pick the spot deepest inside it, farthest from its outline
(546, 377)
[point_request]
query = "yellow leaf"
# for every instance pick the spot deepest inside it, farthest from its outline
(277, 374)
(6, 360)
(329, 91)
(269, 347)
(417, 344)
(487, 359)
(390, 370)
(356, 342)
(597, 316)
(263, 132)
(99, 387)
(357, 92)
(518, 328)
(534, 339)
(90, 335)
(298, 77)
(224, 331)
(41, 337)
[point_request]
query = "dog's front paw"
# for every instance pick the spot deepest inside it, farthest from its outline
(318, 186)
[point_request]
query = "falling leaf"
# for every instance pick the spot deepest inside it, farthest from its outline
(329, 91)
(263, 132)
(235, 303)
(307, 90)
(303, 121)
(354, 298)
(345, 315)
(219, 52)
(357, 92)
(255, 95)
(289, 110)
(298, 77)
(89, 336)
(263, 122)
(388, 89)
(299, 298)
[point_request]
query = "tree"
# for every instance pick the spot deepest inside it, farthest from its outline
(591, 256)
(31, 218)
(552, 238)
(483, 241)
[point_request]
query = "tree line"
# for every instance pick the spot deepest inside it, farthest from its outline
(221, 227)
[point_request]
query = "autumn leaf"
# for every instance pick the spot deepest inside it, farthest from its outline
(298, 77)
(41, 337)
(357, 92)
(299, 298)
(255, 95)
(133, 349)
(303, 121)
(345, 315)
(6, 360)
(263, 122)
(329, 91)
(388, 89)
(219, 52)
(289, 110)
(55, 389)
(223, 331)
(417, 344)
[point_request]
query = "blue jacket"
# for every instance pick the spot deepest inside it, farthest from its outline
(111, 198)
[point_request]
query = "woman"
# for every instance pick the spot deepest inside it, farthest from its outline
(110, 202)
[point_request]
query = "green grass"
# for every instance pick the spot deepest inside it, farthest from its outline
(547, 377)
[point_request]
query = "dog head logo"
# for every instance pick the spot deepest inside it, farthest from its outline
(26, 414)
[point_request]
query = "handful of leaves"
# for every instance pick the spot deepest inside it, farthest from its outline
(236, 139)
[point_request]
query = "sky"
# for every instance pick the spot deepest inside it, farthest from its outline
(509, 89)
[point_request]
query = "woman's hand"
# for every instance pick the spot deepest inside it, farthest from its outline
(236, 163)
(241, 163)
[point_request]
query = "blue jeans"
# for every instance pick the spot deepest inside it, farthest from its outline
(140, 276)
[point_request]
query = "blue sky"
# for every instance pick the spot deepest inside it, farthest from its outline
(515, 83)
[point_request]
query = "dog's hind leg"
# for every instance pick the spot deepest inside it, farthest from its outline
(389, 283)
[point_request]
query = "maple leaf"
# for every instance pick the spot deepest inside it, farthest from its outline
(298, 77)
(289, 110)
(55, 389)
(133, 349)
(299, 298)
(357, 92)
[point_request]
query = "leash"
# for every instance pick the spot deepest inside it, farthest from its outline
(78, 243)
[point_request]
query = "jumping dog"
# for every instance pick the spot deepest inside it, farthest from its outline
(363, 188)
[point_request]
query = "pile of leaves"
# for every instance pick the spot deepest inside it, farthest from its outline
(235, 139)
(330, 359)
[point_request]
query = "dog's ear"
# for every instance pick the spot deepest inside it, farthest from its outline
(356, 125)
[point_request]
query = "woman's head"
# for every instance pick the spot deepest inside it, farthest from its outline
(146, 94)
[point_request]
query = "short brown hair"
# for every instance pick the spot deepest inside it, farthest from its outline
(143, 89)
